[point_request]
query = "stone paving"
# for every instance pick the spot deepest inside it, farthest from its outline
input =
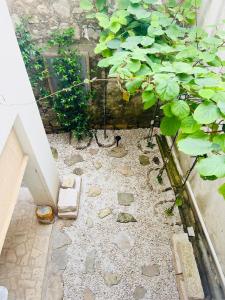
(24, 255)
(120, 244)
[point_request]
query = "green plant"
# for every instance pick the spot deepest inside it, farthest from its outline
(158, 51)
(71, 105)
(33, 59)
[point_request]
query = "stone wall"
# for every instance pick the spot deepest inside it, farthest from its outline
(49, 15)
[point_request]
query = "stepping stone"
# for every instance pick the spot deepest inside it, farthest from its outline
(125, 198)
(139, 292)
(94, 191)
(88, 294)
(125, 171)
(93, 151)
(45, 214)
(68, 200)
(68, 181)
(89, 222)
(125, 218)
(118, 152)
(97, 165)
(102, 213)
(111, 278)
(54, 153)
(90, 262)
(144, 160)
(150, 270)
(78, 171)
(156, 160)
(73, 159)
(124, 241)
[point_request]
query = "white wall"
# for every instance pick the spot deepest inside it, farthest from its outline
(210, 202)
(19, 109)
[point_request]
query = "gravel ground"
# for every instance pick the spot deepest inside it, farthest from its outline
(95, 249)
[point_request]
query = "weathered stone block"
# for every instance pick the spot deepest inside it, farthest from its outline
(187, 275)
(68, 181)
(70, 215)
(68, 200)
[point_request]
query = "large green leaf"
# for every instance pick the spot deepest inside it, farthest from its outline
(149, 99)
(206, 113)
(181, 67)
(222, 190)
(169, 126)
(100, 4)
(86, 4)
(195, 145)
(221, 105)
(212, 166)
(207, 82)
(133, 86)
(189, 125)
(103, 20)
(114, 44)
(138, 11)
(123, 4)
(134, 65)
(206, 93)
(180, 109)
(167, 89)
(220, 140)
(131, 42)
(167, 110)
(114, 27)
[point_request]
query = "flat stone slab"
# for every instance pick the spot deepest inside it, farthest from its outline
(97, 165)
(187, 274)
(54, 153)
(93, 151)
(118, 152)
(150, 270)
(102, 213)
(68, 200)
(144, 160)
(125, 199)
(125, 218)
(73, 159)
(111, 278)
(94, 191)
(88, 294)
(68, 181)
(124, 241)
(89, 222)
(125, 170)
(78, 171)
(139, 292)
(90, 262)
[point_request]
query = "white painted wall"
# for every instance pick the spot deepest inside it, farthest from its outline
(18, 109)
(211, 204)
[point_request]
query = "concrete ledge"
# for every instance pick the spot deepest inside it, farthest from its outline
(187, 275)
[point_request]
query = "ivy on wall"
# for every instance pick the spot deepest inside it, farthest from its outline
(72, 103)
(158, 51)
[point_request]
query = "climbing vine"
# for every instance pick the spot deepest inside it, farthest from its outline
(157, 50)
(71, 104)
